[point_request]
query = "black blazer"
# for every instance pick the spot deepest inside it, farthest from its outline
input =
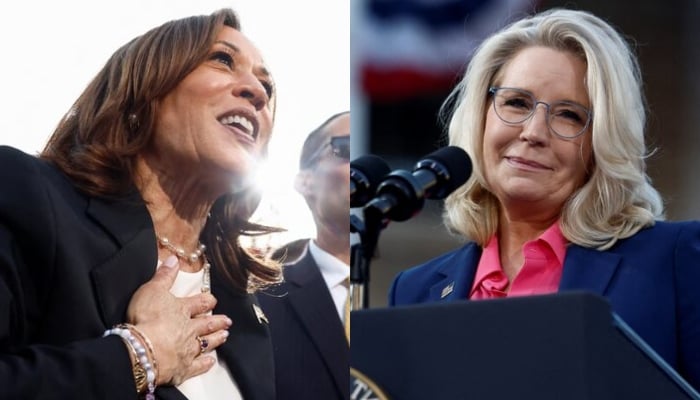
(311, 353)
(69, 264)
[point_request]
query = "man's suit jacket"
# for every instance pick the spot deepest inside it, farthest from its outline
(69, 264)
(652, 281)
(310, 349)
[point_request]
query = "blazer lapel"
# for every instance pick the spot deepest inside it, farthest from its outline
(248, 349)
(588, 269)
(458, 273)
(134, 256)
(584, 269)
(312, 303)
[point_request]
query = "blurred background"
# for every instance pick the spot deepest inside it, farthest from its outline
(406, 55)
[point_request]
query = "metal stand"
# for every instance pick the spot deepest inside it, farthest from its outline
(361, 256)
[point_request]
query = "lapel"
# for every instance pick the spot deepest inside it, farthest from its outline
(584, 269)
(133, 261)
(457, 271)
(312, 303)
(588, 269)
(248, 349)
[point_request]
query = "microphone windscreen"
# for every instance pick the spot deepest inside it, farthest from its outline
(455, 161)
(372, 167)
(366, 172)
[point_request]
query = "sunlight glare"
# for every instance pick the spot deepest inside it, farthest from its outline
(281, 206)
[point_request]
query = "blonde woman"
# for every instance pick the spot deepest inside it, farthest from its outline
(551, 111)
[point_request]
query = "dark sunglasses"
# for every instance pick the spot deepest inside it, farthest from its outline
(340, 145)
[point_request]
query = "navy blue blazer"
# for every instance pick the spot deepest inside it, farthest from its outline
(652, 281)
(312, 357)
(69, 264)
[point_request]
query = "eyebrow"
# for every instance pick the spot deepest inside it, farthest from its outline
(235, 49)
(556, 101)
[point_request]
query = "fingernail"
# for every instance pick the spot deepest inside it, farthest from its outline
(224, 334)
(170, 262)
(228, 321)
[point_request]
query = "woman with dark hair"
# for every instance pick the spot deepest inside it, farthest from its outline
(121, 273)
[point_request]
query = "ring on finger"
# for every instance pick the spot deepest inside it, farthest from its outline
(203, 344)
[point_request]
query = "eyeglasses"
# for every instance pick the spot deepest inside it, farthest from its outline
(565, 118)
(340, 145)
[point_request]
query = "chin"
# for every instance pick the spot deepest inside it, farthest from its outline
(242, 162)
(526, 193)
(242, 177)
(232, 174)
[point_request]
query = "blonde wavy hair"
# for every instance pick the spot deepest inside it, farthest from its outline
(618, 199)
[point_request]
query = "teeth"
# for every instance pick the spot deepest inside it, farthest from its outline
(240, 120)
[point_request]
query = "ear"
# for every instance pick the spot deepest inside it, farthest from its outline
(302, 183)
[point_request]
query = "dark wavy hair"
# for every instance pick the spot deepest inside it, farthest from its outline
(98, 141)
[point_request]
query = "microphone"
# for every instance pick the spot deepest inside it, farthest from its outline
(401, 194)
(366, 172)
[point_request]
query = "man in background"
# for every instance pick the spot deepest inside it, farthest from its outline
(307, 312)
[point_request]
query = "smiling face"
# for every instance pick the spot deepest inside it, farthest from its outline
(526, 166)
(217, 121)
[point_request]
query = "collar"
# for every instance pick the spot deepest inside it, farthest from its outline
(491, 262)
(556, 241)
(333, 270)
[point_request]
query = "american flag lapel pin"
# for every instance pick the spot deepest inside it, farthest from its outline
(447, 290)
(259, 314)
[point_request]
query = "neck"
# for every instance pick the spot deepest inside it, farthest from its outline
(334, 242)
(178, 207)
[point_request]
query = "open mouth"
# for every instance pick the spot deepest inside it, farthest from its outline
(242, 123)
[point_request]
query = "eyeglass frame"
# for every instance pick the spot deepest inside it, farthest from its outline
(313, 160)
(494, 89)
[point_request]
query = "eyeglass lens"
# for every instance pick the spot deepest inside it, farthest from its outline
(341, 147)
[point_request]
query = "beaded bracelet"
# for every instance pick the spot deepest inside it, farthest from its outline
(137, 369)
(149, 346)
(141, 359)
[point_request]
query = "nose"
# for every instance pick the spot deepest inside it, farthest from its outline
(536, 128)
(252, 89)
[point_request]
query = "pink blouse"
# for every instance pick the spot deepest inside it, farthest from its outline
(540, 274)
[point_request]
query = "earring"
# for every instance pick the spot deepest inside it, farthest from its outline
(133, 122)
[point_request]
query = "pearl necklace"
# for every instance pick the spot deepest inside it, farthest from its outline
(191, 258)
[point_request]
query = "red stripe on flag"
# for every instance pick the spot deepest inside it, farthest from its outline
(400, 83)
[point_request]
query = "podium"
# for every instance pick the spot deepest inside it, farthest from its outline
(560, 346)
